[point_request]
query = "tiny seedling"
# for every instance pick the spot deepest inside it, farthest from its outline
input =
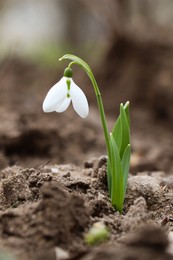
(66, 91)
(97, 234)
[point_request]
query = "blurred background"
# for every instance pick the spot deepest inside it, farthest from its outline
(41, 28)
(129, 45)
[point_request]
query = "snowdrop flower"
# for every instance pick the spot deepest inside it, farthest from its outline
(62, 93)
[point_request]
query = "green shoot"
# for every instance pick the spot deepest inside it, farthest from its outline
(98, 233)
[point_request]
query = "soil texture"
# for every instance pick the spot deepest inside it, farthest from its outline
(53, 185)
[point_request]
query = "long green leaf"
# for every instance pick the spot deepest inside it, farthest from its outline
(125, 130)
(117, 129)
(125, 166)
(109, 176)
(117, 132)
(117, 194)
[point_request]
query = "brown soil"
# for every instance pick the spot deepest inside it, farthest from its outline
(53, 177)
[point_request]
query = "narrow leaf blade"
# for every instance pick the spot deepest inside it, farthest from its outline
(117, 194)
(127, 110)
(109, 176)
(117, 129)
(117, 133)
(126, 166)
(125, 130)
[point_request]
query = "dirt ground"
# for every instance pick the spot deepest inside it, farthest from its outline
(53, 175)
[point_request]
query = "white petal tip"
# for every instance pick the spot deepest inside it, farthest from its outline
(84, 115)
(47, 107)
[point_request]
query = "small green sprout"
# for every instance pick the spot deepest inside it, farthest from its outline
(59, 98)
(97, 234)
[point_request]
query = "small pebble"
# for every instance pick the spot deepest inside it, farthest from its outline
(61, 254)
(66, 175)
(54, 170)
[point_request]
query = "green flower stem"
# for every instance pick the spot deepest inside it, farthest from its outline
(100, 105)
(102, 112)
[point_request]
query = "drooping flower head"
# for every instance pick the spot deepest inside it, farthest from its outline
(62, 93)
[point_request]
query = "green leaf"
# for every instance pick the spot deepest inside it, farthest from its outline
(117, 129)
(125, 130)
(109, 176)
(125, 166)
(126, 108)
(117, 188)
(117, 132)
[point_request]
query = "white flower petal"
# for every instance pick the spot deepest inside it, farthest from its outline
(63, 106)
(55, 95)
(79, 101)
